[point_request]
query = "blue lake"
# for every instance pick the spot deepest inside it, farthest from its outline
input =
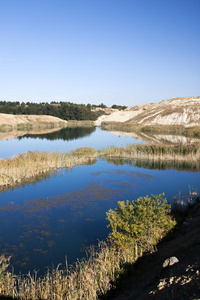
(43, 223)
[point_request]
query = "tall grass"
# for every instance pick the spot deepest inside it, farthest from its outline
(189, 152)
(165, 129)
(84, 280)
(25, 167)
(83, 123)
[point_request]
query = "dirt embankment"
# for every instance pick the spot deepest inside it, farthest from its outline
(176, 111)
(11, 122)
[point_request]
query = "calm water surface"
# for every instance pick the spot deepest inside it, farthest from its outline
(42, 223)
(63, 140)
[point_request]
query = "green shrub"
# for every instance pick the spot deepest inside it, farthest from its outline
(140, 224)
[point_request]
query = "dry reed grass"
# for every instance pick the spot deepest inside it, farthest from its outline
(84, 280)
(165, 129)
(187, 153)
(27, 166)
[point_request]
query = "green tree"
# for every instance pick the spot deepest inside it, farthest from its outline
(102, 105)
(120, 107)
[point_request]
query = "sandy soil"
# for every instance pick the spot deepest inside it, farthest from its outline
(175, 111)
(35, 120)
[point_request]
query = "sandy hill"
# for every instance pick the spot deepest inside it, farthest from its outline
(176, 111)
(10, 121)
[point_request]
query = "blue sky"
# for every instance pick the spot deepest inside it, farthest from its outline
(124, 52)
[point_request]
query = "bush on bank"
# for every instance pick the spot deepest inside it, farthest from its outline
(139, 225)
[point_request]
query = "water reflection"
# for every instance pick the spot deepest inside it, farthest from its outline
(65, 134)
(7, 135)
(65, 139)
(193, 166)
(166, 139)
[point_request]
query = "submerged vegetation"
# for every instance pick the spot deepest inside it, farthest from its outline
(139, 224)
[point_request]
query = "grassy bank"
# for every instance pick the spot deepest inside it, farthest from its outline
(94, 277)
(26, 167)
(186, 153)
(84, 123)
(45, 125)
(156, 129)
(31, 126)
(127, 127)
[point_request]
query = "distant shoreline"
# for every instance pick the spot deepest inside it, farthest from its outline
(9, 122)
(18, 125)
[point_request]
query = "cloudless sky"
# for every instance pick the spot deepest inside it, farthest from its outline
(124, 52)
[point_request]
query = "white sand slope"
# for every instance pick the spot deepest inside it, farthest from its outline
(176, 111)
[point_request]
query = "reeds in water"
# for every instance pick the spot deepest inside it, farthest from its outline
(189, 152)
(27, 166)
(87, 279)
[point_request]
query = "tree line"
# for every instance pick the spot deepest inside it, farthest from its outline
(63, 110)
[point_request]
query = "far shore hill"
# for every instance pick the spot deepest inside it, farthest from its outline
(173, 112)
